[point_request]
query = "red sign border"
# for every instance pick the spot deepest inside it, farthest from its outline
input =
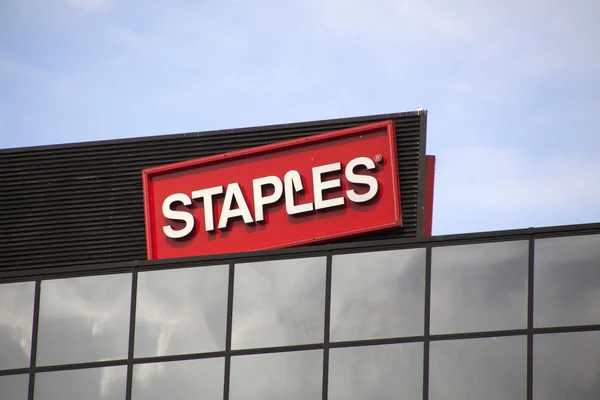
(321, 137)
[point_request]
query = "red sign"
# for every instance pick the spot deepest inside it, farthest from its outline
(301, 191)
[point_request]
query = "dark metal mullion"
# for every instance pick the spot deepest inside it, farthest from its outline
(530, 288)
(130, 353)
(326, 325)
(15, 371)
(477, 335)
(228, 332)
(566, 329)
(86, 365)
(427, 322)
(34, 337)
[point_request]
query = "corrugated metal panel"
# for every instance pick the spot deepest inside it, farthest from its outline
(81, 204)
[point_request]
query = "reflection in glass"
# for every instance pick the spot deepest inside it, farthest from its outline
(84, 319)
(488, 368)
(566, 366)
(377, 295)
(16, 321)
(567, 281)
(90, 384)
(181, 311)
(294, 375)
(376, 372)
(479, 287)
(193, 379)
(14, 387)
(278, 303)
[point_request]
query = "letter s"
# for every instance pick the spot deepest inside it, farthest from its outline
(178, 216)
(362, 180)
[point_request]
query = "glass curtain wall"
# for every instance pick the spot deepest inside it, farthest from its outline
(516, 319)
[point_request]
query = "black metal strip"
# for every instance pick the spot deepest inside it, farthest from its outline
(530, 288)
(17, 275)
(130, 352)
(326, 325)
(34, 337)
(427, 323)
(279, 254)
(281, 349)
(47, 273)
(376, 342)
(179, 357)
(87, 365)
(16, 371)
(477, 335)
(566, 329)
(228, 332)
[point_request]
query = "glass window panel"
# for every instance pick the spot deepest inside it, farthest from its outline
(16, 321)
(488, 368)
(14, 387)
(567, 281)
(294, 375)
(479, 287)
(181, 311)
(566, 366)
(376, 372)
(377, 295)
(279, 303)
(84, 319)
(193, 379)
(90, 384)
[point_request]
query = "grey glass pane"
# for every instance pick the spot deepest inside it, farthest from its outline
(479, 287)
(295, 375)
(489, 368)
(377, 295)
(567, 281)
(566, 366)
(279, 303)
(89, 384)
(14, 387)
(194, 379)
(376, 372)
(16, 320)
(84, 319)
(181, 311)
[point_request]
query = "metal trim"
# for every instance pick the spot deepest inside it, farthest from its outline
(421, 182)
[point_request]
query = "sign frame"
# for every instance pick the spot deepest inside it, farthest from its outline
(149, 173)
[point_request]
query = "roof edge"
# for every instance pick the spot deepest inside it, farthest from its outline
(358, 119)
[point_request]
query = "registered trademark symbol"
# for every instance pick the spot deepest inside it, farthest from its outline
(378, 158)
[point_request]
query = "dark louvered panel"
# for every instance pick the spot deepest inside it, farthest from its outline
(82, 204)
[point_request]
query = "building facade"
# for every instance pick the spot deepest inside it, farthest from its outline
(392, 314)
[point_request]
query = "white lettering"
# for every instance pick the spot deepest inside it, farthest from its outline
(361, 180)
(207, 196)
(234, 192)
(293, 184)
(259, 200)
(178, 216)
(289, 187)
(320, 186)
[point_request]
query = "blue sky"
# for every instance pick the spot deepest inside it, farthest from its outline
(512, 87)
